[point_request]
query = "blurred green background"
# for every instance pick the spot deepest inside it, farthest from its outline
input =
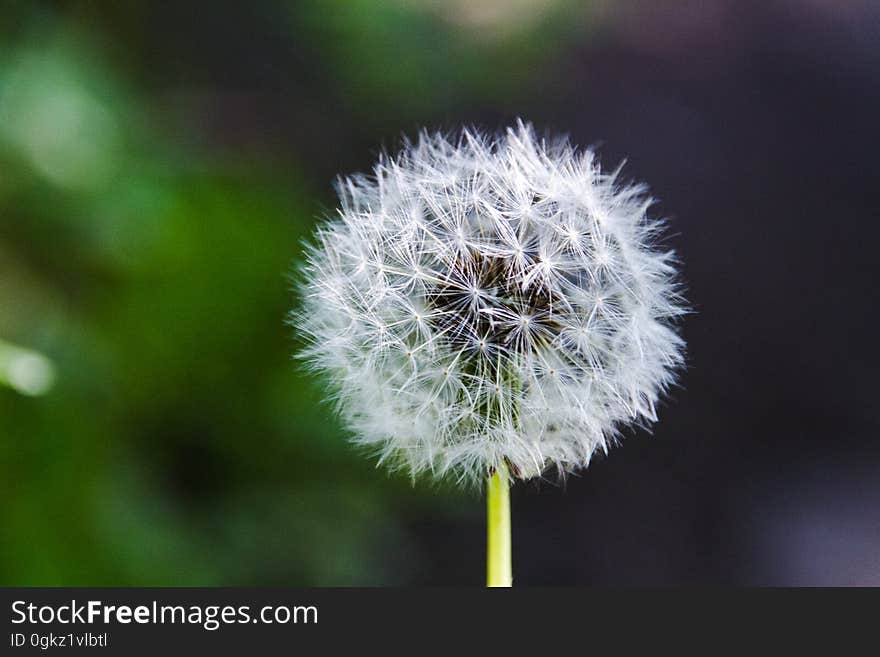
(154, 428)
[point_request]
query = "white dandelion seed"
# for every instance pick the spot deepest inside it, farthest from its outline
(486, 302)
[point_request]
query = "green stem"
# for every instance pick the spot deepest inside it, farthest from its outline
(498, 569)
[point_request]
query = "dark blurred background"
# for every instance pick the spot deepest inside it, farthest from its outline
(160, 164)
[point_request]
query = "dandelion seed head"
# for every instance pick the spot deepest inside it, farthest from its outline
(483, 300)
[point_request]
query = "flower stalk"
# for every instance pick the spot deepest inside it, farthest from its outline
(498, 553)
